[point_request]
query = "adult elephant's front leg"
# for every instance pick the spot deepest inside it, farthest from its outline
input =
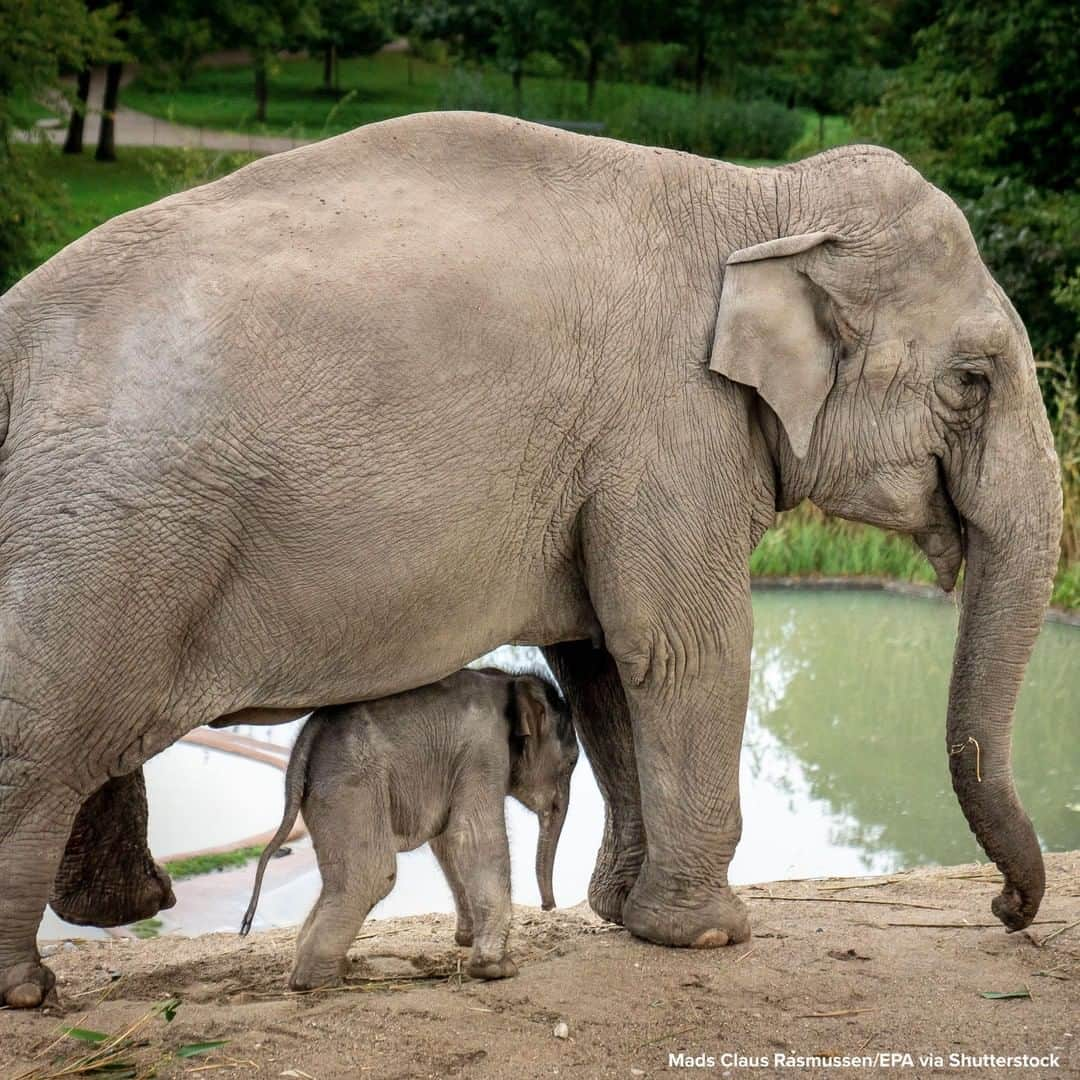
(590, 681)
(672, 592)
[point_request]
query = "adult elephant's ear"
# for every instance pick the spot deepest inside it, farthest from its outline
(770, 332)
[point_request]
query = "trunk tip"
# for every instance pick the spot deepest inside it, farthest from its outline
(1013, 910)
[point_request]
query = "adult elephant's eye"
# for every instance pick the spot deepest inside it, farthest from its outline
(963, 389)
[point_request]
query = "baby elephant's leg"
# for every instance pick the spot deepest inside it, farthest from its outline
(358, 868)
(478, 856)
(463, 935)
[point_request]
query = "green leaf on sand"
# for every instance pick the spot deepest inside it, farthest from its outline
(85, 1035)
(193, 1049)
(1002, 995)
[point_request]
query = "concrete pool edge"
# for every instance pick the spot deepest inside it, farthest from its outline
(239, 746)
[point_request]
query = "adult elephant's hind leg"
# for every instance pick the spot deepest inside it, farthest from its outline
(590, 681)
(126, 884)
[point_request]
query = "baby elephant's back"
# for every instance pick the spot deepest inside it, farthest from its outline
(412, 755)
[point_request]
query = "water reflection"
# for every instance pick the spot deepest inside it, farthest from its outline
(853, 688)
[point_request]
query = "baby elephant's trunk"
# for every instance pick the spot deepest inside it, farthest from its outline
(551, 825)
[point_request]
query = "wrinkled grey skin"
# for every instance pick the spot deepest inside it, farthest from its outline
(327, 428)
(431, 764)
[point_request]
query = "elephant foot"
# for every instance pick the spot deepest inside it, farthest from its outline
(311, 975)
(463, 936)
(663, 916)
(607, 899)
(112, 902)
(613, 879)
(26, 986)
(478, 968)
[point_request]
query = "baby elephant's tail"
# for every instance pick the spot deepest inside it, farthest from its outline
(295, 780)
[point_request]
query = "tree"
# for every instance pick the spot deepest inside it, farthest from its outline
(724, 35)
(347, 28)
(522, 27)
(266, 27)
(828, 45)
(40, 42)
(589, 30)
(73, 143)
(989, 109)
(992, 88)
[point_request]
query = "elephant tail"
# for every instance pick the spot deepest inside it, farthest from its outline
(295, 784)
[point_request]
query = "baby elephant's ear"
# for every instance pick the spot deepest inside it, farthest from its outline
(529, 699)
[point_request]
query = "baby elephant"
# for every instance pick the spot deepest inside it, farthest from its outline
(436, 763)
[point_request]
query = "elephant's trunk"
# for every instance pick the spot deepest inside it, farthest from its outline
(551, 826)
(1007, 584)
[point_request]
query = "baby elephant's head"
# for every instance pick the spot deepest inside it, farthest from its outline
(543, 753)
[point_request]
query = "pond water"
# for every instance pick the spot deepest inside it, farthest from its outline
(843, 771)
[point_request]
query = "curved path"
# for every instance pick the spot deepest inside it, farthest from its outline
(134, 128)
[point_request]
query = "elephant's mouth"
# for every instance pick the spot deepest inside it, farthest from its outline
(943, 542)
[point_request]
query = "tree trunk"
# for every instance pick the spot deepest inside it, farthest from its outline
(409, 64)
(516, 77)
(261, 89)
(73, 144)
(700, 51)
(106, 145)
(592, 73)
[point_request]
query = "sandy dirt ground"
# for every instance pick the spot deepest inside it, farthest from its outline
(847, 967)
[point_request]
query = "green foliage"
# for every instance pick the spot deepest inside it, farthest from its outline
(353, 27)
(40, 40)
(830, 49)
(655, 63)
(1030, 239)
(220, 97)
(205, 864)
(1061, 388)
(82, 193)
(992, 87)
(715, 127)
(472, 89)
(804, 543)
(169, 39)
(145, 929)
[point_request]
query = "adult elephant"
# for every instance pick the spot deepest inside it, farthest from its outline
(330, 427)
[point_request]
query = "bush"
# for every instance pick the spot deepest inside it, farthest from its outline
(1030, 239)
(470, 89)
(654, 63)
(715, 127)
(30, 203)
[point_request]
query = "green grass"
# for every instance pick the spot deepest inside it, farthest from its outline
(145, 929)
(378, 87)
(373, 88)
(89, 192)
(805, 543)
(205, 864)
